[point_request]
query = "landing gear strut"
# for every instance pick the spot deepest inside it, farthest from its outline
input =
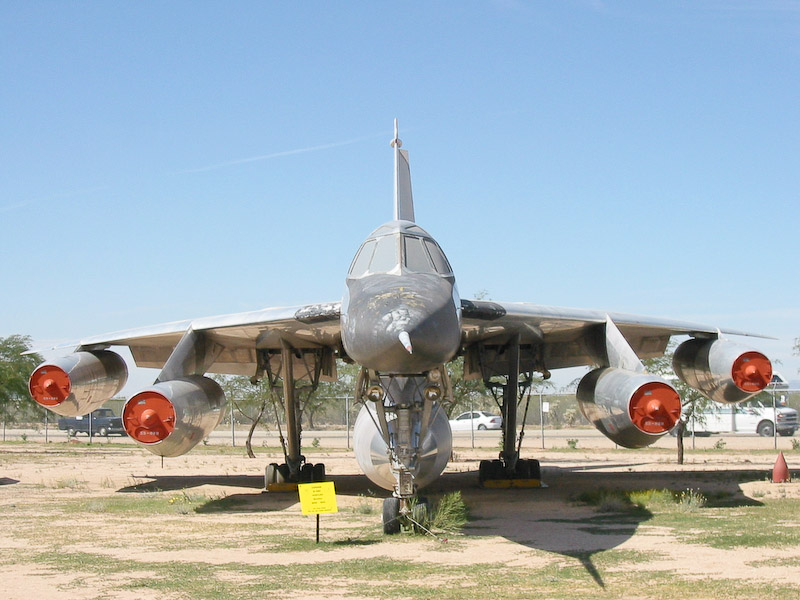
(286, 476)
(402, 439)
(509, 470)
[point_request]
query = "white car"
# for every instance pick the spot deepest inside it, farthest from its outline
(476, 419)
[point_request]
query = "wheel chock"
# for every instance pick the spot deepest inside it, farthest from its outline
(497, 484)
(282, 487)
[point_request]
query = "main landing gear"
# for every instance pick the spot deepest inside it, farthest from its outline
(291, 365)
(500, 368)
(278, 477)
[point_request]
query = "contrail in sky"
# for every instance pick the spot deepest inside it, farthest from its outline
(58, 196)
(251, 159)
(11, 207)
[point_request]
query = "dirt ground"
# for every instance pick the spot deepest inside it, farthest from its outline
(514, 527)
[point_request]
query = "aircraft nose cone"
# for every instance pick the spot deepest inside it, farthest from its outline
(404, 326)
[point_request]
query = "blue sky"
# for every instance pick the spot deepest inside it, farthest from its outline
(160, 161)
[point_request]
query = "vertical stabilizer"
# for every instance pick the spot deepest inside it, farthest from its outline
(403, 200)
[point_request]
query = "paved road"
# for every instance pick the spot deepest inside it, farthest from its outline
(556, 438)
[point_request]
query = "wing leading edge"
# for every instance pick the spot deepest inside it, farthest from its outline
(241, 336)
(568, 337)
(565, 336)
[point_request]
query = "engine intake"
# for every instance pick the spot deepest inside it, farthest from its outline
(172, 417)
(79, 383)
(723, 371)
(631, 409)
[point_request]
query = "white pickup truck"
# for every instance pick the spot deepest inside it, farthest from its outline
(749, 417)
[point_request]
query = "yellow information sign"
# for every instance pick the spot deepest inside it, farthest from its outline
(317, 498)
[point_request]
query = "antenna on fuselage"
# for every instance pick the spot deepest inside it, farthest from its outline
(403, 200)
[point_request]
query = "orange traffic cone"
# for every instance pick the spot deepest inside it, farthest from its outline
(780, 472)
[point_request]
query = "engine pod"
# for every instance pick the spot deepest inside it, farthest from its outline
(172, 417)
(79, 383)
(373, 456)
(722, 370)
(631, 409)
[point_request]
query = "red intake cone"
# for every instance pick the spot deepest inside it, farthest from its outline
(780, 472)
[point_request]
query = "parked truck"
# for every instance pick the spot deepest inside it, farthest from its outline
(103, 423)
(750, 417)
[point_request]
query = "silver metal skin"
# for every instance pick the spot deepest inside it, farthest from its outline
(193, 355)
(94, 378)
(394, 294)
(198, 403)
(706, 366)
(376, 460)
(604, 397)
(401, 318)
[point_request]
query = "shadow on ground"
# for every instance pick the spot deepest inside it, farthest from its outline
(553, 520)
(549, 519)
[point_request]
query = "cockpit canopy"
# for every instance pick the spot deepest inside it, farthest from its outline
(399, 247)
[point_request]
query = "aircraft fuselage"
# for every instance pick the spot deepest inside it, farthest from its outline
(401, 313)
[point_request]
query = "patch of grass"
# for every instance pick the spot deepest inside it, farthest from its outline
(450, 513)
(72, 483)
(615, 501)
(790, 562)
(221, 504)
(621, 501)
(364, 507)
(768, 526)
(690, 500)
(603, 574)
(181, 502)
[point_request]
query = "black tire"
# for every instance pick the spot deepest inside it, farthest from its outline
(766, 429)
(535, 469)
(271, 474)
(421, 514)
(481, 427)
(391, 516)
(523, 469)
(318, 472)
(307, 473)
(282, 475)
(484, 470)
(498, 470)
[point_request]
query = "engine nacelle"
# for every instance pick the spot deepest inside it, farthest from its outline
(172, 417)
(723, 371)
(373, 456)
(79, 383)
(631, 409)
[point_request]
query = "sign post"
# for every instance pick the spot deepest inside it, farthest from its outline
(317, 498)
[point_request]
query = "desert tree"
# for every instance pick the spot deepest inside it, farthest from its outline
(15, 369)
